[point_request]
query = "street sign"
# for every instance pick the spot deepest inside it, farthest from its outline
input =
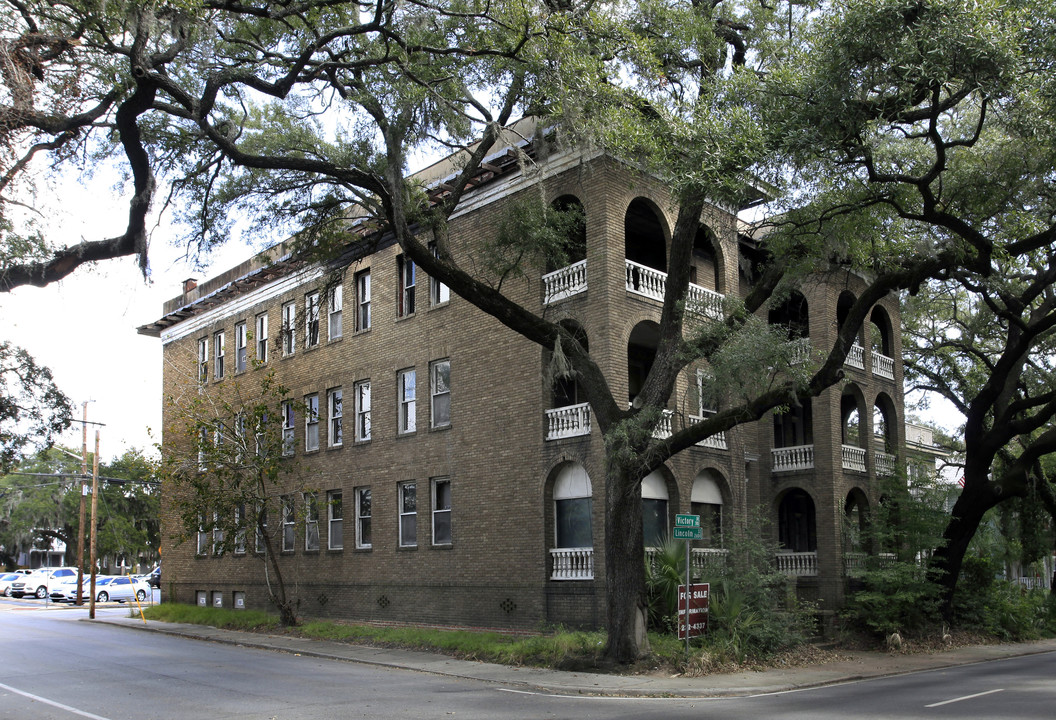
(687, 521)
(687, 533)
(693, 610)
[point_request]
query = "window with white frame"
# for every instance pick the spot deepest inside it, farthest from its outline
(241, 350)
(335, 428)
(218, 534)
(287, 427)
(311, 422)
(289, 328)
(240, 532)
(706, 406)
(441, 511)
(334, 515)
(572, 508)
(363, 516)
(203, 537)
(334, 307)
(408, 499)
(262, 338)
(311, 319)
(440, 393)
(405, 384)
(438, 292)
(363, 300)
(219, 348)
(311, 521)
(406, 269)
(260, 528)
(289, 527)
(362, 409)
(240, 434)
(203, 360)
(203, 446)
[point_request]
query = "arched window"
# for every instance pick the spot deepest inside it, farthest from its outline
(654, 509)
(706, 501)
(797, 525)
(572, 507)
(644, 239)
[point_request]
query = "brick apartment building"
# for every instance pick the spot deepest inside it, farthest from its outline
(451, 481)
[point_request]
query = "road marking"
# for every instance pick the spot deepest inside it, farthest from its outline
(966, 697)
(59, 705)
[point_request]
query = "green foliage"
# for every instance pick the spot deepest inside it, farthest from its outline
(665, 570)
(898, 596)
(531, 235)
(33, 411)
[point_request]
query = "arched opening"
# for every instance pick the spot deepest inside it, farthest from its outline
(645, 241)
(654, 509)
(574, 222)
(851, 419)
(855, 520)
(706, 267)
(795, 426)
(797, 525)
(566, 387)
(792, 314)
(641, 352)
(572, 507)
(706, 501)
(885, 440)
(880, 338)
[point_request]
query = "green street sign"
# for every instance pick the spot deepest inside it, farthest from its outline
(687, 521)
(688, 533)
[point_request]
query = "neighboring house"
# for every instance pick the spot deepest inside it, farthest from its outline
(468, 486)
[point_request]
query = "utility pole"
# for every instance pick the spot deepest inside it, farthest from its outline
(95, 504)
(80, 512)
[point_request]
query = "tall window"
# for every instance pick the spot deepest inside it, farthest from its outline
(441, 511)
(287, 428)
(438, 292)
(203, 359)
(572, 508)
(363, 300)
(240, 532)
(218, 534)
(440, 393)
(311, 319)
(406, 270)
(334, 306)
(334, 515)
(289, 529)
(335, 430)
(311, 521)
(405, 383)
(218, 348)
(260, 528)
(408, 498)
(363, 512)
(262, 338)
(240, 435)
(241, 353)
(289, 328)
(654, 509)
(203, 537)
(311, 422)
(362, 393)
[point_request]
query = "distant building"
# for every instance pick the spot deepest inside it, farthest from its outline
(456, 482)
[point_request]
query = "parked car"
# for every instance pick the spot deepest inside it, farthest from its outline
(121, 589)
(6, 580)
(66, 589)
(38, 583)
(153, 578)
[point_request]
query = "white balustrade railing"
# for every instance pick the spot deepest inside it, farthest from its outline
(800, 457)
(885, 464)
(853, 458)
(663, 428)
(570, 421)
(797, 564)
(856, 357)
(883, 366)
(801, 351)
(652, 283)
(708, 559)
(715, 442)
(853, 561)
(572, 563)
(564, 283)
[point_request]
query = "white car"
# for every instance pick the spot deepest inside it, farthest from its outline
(120, 589)
(6, 580)
(66, 589)
(38, 583)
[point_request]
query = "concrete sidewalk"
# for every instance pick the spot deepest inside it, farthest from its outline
(850, 667)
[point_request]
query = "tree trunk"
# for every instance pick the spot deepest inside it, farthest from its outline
(624, 568)
(965, 518)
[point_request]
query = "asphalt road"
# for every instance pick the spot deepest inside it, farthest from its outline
(56, 666)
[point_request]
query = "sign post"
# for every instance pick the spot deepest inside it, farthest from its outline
(687, 527)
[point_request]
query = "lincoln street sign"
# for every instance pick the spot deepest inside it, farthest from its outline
(687, 533)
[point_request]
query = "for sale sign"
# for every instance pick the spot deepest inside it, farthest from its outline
(693, 610)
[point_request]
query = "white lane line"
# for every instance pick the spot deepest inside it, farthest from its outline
(966, 697)
(59, 705)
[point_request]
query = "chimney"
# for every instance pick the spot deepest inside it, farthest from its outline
(189, 284)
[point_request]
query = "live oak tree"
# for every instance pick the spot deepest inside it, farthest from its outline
(33, 411)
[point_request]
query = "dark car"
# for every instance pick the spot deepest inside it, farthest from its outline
(153, 578)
